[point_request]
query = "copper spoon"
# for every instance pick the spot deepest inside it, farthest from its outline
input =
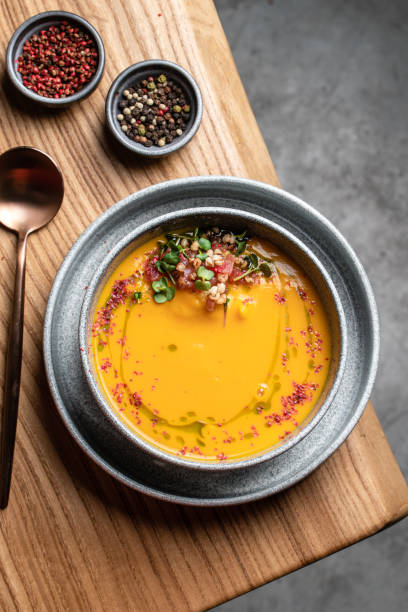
(31, 192)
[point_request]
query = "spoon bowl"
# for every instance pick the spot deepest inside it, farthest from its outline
(31, 193)
(31, 189)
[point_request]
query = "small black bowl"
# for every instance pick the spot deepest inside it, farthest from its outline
(32, 26)
(136, 73)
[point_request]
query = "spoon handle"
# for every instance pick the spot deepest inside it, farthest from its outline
(12, 377)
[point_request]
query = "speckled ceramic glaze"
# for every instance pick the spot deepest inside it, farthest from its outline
(237, 220)
(150, 474)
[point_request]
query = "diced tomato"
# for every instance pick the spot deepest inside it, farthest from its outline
(227, 266)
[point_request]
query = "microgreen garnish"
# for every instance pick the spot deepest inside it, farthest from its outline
(265, 269)
(172, 348)
(137, 296)
(240, 247)
(175, 263)
(255, 266)
(170, 293)
(160, 298)
(237, 278)
(225, 310)
(167, 267)
(160, 285)
(252, 259)
(177, 237)
(174, 245)
(205, 273)
(171, 258)
(240, 242)
(204, 244)
(171, 278)
(202, 285)
(162, 291)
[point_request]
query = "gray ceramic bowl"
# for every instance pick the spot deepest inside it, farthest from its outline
(138, 72)
(32, 26)
(106, 445)
(236, 220)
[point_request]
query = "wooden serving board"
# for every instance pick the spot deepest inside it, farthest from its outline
(73, 538)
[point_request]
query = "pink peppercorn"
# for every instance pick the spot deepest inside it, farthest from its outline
(58, 62)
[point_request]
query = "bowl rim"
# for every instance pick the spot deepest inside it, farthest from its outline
(136, 147)
(87, 367)
(37, 19)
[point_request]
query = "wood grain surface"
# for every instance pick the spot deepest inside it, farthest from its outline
(72, 537)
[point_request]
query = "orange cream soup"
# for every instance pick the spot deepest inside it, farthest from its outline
(214, 386)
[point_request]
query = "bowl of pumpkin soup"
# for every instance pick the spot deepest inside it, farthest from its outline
(212, 338)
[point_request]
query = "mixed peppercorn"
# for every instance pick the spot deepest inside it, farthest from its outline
(154, 112)
(205, 262)
(58, 61)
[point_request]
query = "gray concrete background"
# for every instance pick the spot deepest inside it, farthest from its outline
(328, 82)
